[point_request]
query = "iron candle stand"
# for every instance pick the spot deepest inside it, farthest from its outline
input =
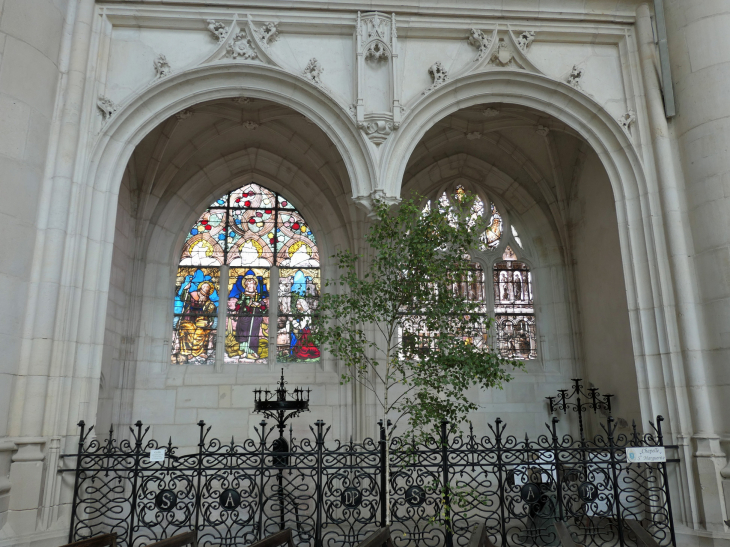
(573, 400)
(276, 406)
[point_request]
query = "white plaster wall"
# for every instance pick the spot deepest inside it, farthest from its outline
(608, 357)
(30, 38)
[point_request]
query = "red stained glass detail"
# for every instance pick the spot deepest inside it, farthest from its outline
(247, 204)
(251, 221)
(283, 203)
(296, 226)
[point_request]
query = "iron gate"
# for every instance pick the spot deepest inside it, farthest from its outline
(333, 494)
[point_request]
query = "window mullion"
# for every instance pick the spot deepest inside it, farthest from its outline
(273, 314)
(220, 347)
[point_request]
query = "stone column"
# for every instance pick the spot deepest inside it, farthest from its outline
(699, 46)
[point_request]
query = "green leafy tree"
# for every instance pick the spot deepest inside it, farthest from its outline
(401, 323)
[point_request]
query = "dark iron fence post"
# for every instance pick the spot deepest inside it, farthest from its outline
(199, 472)
(383, 477)
(500, 478)
(614, 480)
(135, 474)
(81, 425)
(262, 483)
(558, 479)
(318, 498)
(445, 473)
(663, 467)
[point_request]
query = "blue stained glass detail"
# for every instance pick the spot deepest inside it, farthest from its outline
(221, 236)
(194, 232)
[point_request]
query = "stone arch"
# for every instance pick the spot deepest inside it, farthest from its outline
(153, 105)
(642, 243)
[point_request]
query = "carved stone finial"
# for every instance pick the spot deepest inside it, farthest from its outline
(575, 76)
(525, 39)
(184, 114)
(503, 56)
(542, 130)
(268, 33)
(480, 41)
(376, 51)
(490, 112)
(162, 67)
(106, 107)
(242, 47)
(626, 120)
(474, 135)
(249, 124)
(439, 75)
(313, 71)
(218, 29)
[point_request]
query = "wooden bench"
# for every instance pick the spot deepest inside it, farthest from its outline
(479, 537)
(643, 537)
(379, 538)
(276, 540)
(104, 540)
(566, 540)
(179, 540)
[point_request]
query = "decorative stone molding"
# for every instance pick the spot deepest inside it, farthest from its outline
(313, 71)
(184, 114)
(242, 100)
(503, 56)
(474, 135)
(352, 109)
(490, 112)
(268, 33)
(481, 42)
(378, 131)
(242, 47)
(368, 201)
(524, 40)
(377, 34)
(162, 67)
(249, 124)
(106, 107)
(218, 29)
(439, 75)
(626, 120)
(542, 130)
(575, 76)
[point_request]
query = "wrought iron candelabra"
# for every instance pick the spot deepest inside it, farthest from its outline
(577, 400)
(275, 405)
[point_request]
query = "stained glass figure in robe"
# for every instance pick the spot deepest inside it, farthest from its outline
(299, 291)
(196, 315)
(247, 320)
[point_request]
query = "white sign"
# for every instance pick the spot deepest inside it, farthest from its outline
(646, 454)
(157, 455)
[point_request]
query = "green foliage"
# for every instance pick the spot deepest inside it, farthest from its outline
(399, 320)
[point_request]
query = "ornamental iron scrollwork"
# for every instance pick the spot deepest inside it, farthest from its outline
(332, 494)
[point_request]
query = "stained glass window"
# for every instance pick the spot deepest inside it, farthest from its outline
(249, 230)
(514, 309)
(491, 237)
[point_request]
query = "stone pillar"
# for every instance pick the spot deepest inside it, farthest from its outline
(699, 48)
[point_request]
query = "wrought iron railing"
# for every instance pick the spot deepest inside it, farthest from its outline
(333, 494)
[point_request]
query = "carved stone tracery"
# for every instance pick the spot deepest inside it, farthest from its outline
(162, 67)
(480, 41)
(106, 107)
(242, 47)
(218, 29)
(525, 39)
(439, 75)
(313, 71)
(268, 33)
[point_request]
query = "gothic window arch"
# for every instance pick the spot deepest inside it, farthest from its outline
(247, 281)
(514, 313)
